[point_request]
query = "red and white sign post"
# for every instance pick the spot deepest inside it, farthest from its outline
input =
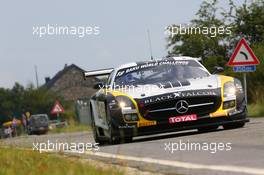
(243, 60)
(57, 109)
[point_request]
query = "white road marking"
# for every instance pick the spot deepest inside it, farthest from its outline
(188, 165)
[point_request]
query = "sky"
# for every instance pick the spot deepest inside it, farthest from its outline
(123, 35)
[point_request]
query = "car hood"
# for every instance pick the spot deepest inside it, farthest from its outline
(143, 91)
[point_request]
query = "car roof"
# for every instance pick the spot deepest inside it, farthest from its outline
(179, 58)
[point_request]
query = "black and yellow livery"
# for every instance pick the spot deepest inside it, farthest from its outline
(165, 95)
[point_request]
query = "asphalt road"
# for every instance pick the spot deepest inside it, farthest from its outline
(240, 151)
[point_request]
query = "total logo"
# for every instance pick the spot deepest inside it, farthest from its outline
(184, 118)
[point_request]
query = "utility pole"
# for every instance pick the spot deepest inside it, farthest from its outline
(36, 73)
(245, 87)
(150, 48)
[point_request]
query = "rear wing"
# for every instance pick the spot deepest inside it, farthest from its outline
(95, 73)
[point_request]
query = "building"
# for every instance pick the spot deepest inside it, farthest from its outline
(69, 83)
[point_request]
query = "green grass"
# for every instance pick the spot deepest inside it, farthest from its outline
(24, 162)
(71, 128)
(256, 109)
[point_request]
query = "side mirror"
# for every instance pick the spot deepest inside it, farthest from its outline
(218, 69)
(99, 85)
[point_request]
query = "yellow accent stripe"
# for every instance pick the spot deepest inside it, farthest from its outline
(142, 121)
(220, 111)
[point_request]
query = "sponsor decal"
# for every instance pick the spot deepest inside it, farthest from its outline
(177, 95)
(164, 97)
(151, 64)
(183, 118)
(112, 104)
(146, 123)
(126, 126)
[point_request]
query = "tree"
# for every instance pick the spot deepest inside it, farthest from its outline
(18, 100)
(201, 44)
(246, 21)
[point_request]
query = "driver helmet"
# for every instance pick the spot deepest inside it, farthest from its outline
(129, 78)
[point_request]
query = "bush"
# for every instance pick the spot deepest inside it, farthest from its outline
(256, 109)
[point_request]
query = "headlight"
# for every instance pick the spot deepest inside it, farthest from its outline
(239, 87)
(125, 102)
(131, 117)
(229, 89)
(229, 104)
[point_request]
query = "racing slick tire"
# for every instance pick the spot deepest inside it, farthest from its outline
(113, 138)
(207, 129)
(94, 129)
(128, 139)
(234, 125)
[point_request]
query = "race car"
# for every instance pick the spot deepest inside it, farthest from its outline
(166, 95)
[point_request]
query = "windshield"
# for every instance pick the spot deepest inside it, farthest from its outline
(39, 118)
(160, 72)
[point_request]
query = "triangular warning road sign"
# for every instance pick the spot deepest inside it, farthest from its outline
(57, 108)
(243, 55)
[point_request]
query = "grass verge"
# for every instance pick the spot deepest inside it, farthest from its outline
(71, 128)
(256, 109)
(24, 162)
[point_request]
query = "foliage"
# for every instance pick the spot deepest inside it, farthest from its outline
(256, 109)
(246, 21)
(19, 100)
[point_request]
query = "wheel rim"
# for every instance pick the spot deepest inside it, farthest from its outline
(94, 128)
(110, 132)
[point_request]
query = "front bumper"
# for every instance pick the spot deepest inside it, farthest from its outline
(131, 130)
(39, 129)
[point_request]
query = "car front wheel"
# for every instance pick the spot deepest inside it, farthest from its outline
(94, 129)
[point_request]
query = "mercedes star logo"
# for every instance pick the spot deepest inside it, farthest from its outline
(182, 106)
